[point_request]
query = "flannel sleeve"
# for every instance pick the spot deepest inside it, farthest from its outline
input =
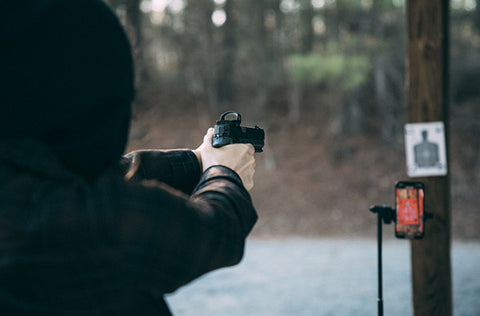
(207, 232)
(197, 229)
(179, 168)
(174, 238)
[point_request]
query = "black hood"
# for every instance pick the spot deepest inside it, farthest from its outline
(66, 79)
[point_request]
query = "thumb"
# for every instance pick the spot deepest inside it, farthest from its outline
(208, 136)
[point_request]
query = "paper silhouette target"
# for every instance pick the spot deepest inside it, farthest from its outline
(425, 149)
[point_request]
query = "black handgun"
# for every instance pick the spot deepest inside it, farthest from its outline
(228, 131)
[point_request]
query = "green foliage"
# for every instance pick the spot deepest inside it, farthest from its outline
(346, 72)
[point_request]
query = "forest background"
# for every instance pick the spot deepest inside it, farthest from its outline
(325, 79)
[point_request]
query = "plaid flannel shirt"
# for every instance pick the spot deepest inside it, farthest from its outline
(114, 246)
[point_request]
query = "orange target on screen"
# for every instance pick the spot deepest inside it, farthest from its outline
(410, 219)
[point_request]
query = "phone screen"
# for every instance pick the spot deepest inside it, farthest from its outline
(410, 210)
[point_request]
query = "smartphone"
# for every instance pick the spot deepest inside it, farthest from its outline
(410, 205)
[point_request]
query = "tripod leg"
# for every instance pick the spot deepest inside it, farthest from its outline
(380, 280)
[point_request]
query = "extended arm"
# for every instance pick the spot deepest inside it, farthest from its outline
(179, 169)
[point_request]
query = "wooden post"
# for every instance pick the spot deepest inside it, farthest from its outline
(427, 90)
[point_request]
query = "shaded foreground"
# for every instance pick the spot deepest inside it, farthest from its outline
(297, 276)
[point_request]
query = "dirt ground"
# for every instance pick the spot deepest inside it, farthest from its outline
(310, 184)
(326, 277)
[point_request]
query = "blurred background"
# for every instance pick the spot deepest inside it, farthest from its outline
(325, 79)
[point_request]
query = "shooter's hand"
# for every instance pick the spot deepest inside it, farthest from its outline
(238, 157)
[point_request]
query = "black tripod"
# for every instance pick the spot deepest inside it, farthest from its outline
(385, 214)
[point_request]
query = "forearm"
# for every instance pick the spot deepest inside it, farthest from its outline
(180, 169)
(208, 232)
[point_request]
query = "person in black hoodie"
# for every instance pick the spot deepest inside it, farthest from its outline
(83, 229)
